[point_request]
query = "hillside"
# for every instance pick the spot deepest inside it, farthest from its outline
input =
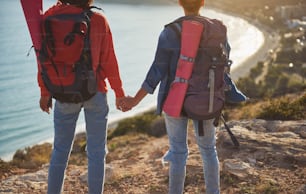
(271, 159)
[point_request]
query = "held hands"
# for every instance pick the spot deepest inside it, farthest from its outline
(126, 103)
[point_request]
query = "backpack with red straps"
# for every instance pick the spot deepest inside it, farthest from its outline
(65, 57)
(205, 96)
(203, 73)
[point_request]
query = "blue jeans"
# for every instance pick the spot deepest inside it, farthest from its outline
(65, 118)
(178, 153)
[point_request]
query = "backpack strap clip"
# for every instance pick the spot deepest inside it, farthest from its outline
(180, 80)
(188, 59)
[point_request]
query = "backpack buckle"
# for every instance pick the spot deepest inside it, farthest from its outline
(186, 58)
(180, 80)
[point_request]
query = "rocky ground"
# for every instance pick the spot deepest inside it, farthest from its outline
(271, 158)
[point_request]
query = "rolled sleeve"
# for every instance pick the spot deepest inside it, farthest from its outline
(148, 88)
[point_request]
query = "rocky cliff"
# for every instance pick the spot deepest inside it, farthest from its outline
(271, 158)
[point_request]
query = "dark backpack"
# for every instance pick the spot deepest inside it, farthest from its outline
(65, 57)
(205, 94)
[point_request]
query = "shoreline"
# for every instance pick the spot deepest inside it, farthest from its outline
(271, 41)
(241, 70)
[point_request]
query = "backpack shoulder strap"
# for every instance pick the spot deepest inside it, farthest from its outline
(177, 28)
(89, 11)
(176, 25)
(95, 7)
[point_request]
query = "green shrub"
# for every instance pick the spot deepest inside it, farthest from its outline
(281, 86)
(280, 79)
(268, 188)
(296, 83)
(284, 109)
(136, 124)
(273, 75)
(32, 157)
(5, 167)
(256, 71)
(248, 86)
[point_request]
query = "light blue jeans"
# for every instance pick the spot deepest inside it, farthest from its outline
(65, 118)
(178, 153)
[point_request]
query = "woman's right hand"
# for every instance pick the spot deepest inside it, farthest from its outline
(45, 103)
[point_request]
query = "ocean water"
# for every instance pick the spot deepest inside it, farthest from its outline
(135, 32)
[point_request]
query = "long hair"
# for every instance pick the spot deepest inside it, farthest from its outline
(191, 5)
(79, 3)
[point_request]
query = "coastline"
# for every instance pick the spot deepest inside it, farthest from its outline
(271, 41)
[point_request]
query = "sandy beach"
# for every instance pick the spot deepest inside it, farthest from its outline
(263, 53)
(271, 41)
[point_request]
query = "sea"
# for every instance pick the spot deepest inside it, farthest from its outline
(135, 30)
